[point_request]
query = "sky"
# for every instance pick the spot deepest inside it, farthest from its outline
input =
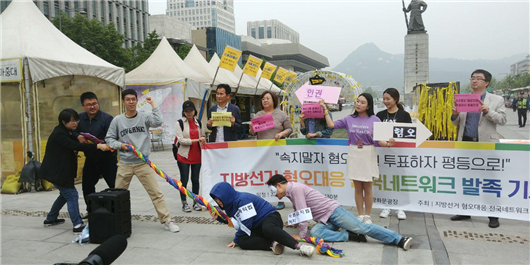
(461, 29)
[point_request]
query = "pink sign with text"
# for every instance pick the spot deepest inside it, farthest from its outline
(330, 94)
(312, 110)
(262, 123)
(467, 102)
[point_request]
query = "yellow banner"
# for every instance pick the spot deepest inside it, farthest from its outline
(230, 58)
(290, 77)
(221, 119)
(281, 74)
(268, 69)
(252, 66)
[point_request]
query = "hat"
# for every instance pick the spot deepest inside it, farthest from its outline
(188, 105)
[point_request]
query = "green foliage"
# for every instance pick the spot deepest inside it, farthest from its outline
(370, 91)
(103, 41)
(140, 53)
(183, 51)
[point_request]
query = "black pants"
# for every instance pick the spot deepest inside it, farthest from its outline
(184, 170)
(96, 167)
(469, 139)
(521, 113)
(261, 237)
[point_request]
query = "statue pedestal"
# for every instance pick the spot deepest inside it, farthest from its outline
(416, 63)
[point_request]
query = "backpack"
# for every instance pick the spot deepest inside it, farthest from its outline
(30, 175)
(175, 144)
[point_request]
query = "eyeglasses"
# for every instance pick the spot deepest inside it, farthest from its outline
(73, 121)
(130, 100)
(477, 79)
(91, 104)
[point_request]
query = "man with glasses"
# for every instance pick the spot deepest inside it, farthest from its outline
(480, 126)
(98, 163)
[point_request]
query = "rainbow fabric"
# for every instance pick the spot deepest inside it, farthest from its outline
(178, 185)
(322, 247)
(91, 139)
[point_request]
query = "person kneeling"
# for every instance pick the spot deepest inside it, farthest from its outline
(330, 216)
(259, 226)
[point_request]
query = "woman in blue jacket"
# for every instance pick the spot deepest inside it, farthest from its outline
(259, 226)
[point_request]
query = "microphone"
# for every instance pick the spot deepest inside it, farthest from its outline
(107, 252)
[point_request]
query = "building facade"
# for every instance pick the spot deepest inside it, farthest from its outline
(130, 17)
(271, 29)
(204, 13)
(522, 66)
(170, 27)
(215, 40)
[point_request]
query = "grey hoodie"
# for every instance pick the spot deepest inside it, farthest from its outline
(135, 131)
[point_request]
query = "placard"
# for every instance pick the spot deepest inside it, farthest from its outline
(262, 123)
(467, 102)
(299, 216)
(221, 119)
(329, 94)
(312, 110)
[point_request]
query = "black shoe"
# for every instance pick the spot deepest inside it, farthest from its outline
(54, 222)
(79, 229)
(494, 223)
(356, 237)
(405, 242)
(460, 217)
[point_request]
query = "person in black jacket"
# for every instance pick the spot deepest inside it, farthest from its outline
(222, 133)
(60, 168)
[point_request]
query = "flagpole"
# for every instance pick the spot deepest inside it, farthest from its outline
(256, 90)
(205, 93)
(238, 83)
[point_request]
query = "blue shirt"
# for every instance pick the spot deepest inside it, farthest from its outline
(472, 120)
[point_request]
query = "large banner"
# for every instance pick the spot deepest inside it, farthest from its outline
(169, 99)
(480, 179)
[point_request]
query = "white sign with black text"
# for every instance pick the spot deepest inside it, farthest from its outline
(300, 216)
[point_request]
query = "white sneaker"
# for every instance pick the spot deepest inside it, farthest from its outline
(385, 213)
(277, 248)
(171, 226)
(401, 215)
(367, 219)
(306, 250)
(361, 218)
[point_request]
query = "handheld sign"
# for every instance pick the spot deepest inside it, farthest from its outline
(307, 92)
(467, 102)
(229, 58)
(221, 119)
(402, 132)
(312, 110)
(262, 123)
(300, 216)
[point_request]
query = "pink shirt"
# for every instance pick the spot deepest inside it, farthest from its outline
(302, 196)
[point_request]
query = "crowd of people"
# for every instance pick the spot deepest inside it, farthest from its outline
(264, 229)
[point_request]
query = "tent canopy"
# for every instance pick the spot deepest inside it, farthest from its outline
(27, 33)
(164, 66)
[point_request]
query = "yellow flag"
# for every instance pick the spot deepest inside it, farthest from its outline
(230, 58)
(281, 74)
(252, 66)
(290, 77)
(268, 69)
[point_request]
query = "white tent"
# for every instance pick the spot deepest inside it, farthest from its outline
(195, 60)
(224, 74)
(165, 66)
(27, 33)
(266, 84)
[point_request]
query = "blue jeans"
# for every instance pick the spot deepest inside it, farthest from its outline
(341, 218)
(70, 197)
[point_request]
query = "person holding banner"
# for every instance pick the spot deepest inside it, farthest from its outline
(282, 124)
(189, 138)
(480, 126)
(362, 159)
(331, 216)
(259, 226)
(394, 113)
(224, 133)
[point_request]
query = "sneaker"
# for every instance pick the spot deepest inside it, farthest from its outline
(306, 250)
(277, 248)
(171, 226)
(405, 243)
(54, 222)
(197, 207)
(280, 206)
(356, 237)
(494, 223)
(385, 213)
(367, 219)
(361, 218)
(460, 217)
(186, 208)
(79, 228)
(84, 215)
(401, 215)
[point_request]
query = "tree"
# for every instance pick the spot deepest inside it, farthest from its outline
(183, 51)
(103, 41)
(140, 53)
